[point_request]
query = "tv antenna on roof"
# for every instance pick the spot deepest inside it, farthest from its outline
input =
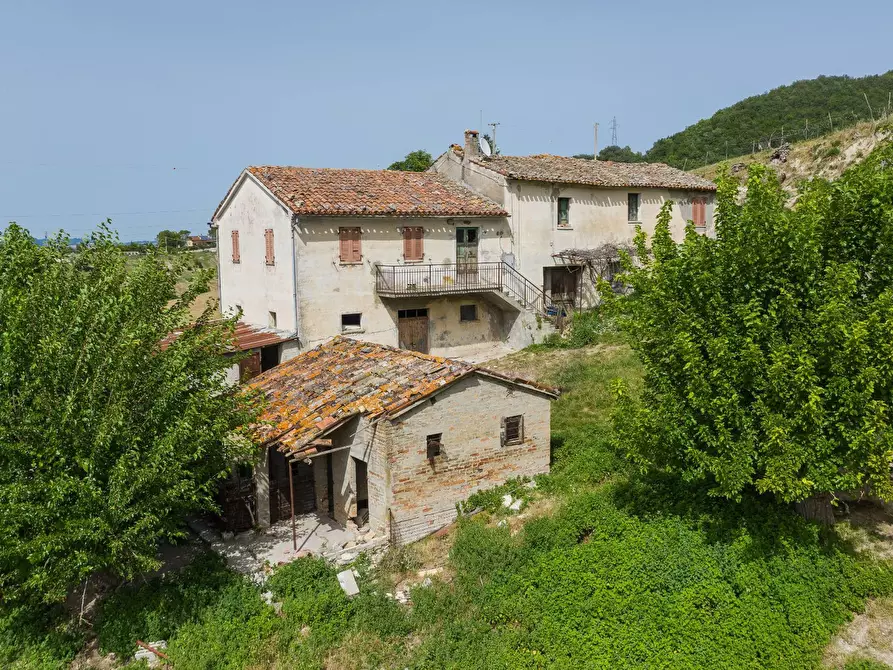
(485, 147)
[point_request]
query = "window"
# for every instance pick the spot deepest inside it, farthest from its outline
(351, 322)
(468, 312)
(349, 245)
(433, 445)
(271, 320)
(236, 255)
(699, 212)
(268, 242)
(564, 209)
(413, 249)
(632, 207)
(513, 430)
(411, 313)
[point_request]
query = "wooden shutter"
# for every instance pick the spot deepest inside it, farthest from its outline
(249, 367)
(349, 245)
(268, 240)
(413, 245)
(699, 212)
(355, 252)
(344, 244)
(236, 255)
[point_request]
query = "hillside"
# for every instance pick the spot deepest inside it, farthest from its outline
(800, 110)
(826, 156)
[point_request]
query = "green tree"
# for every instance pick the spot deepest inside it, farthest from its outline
(168, 240)
(108, 437)
(620, 155)
(768, 351)
(416, 161)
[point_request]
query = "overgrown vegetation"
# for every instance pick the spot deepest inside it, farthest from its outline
(108, 436)
(768, 350)
(734, 130)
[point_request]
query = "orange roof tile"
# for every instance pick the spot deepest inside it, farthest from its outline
(347, 192)
(320, 389)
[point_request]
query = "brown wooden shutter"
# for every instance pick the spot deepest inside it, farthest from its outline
(407, 243)
(236, 255)
(699, 212)
(268, 240)
(413, 245)
(249, 367)
(344, 244)
(419, 244)
(355, 251)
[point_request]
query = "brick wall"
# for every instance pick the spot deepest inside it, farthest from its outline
(423, 493)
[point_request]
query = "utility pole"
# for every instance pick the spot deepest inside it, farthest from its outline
(614, 131)
(493, 136)
(595, 147)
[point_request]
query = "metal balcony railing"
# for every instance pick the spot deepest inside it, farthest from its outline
(403, 281)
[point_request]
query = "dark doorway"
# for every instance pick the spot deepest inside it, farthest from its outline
(362, 480)
(280, 495)
(238, 505)
(412, 329)
(269, 357)
(561, 285)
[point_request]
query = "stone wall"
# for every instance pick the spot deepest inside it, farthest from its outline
(469, 415)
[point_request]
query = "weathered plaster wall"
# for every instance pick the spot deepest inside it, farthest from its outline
(328, 288)
(252, 284)
(469, 415)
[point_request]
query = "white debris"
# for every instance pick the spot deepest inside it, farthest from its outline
(531, 484)
(143, 654)
(348, 583)
(507, 500)
(430, 572)
(502, 523)
(426, 583)
(515, 506)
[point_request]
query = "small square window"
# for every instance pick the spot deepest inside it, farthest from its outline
(513, 430)
(271, 321)
(468, 313)
(351, 322)
(564, 212)
(632, 207)
(433, 445)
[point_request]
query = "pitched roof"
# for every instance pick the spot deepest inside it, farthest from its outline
(246, 336)
(607, 174)
(320, 389)
(344, 192)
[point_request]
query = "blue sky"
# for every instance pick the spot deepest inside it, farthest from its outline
(146, 112)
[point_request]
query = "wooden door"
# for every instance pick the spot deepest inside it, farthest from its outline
(249, 366)
(412, 330)
(467, 251)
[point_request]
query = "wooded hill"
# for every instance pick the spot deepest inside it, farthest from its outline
(804, 109)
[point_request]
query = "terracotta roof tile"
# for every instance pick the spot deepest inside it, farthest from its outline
(344, 192)
(607, 174)
(321, 388)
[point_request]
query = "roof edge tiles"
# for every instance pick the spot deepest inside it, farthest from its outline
(317, 391)
(349, 192)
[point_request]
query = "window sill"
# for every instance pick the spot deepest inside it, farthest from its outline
(513, 443)
(353, 331)
(271, 265)
(468, 320)
(634, 223)
(418, 261)
(564, 227)
(350, 263)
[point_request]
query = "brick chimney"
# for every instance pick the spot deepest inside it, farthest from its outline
(472, 146)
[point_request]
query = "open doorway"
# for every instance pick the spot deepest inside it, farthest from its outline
(362, 488)
(269, 357)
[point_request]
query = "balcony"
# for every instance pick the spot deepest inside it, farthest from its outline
(402, 281)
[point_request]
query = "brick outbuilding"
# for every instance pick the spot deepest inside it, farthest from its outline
(372, 434)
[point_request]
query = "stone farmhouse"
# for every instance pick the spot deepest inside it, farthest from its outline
(477, 251)
(389, 437)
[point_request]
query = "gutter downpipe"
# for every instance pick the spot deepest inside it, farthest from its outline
(294, 275)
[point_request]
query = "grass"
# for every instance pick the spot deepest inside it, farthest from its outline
(607, 568)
